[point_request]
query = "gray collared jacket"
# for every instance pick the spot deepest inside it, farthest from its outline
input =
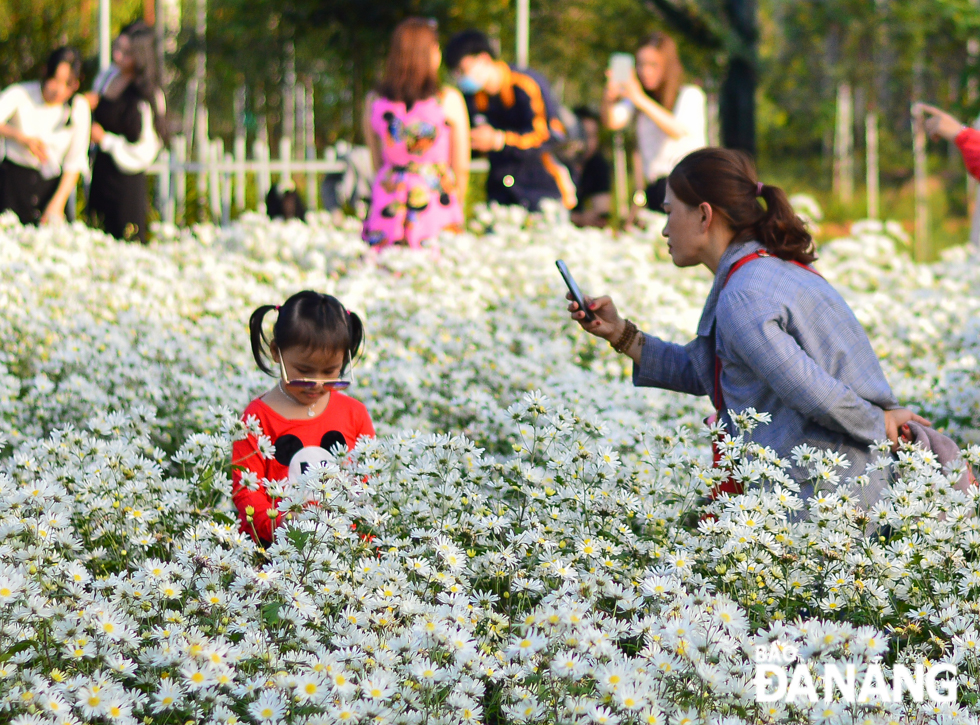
(789, 346)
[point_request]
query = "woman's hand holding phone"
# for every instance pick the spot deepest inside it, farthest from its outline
(607, 323)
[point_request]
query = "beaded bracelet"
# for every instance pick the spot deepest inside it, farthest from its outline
(625, 340)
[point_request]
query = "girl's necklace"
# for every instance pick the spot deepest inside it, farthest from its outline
(310, 412)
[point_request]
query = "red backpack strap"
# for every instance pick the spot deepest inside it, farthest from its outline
(719, 398)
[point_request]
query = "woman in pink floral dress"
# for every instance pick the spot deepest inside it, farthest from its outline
(418, 133)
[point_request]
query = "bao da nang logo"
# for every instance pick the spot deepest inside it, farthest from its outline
(778, 679)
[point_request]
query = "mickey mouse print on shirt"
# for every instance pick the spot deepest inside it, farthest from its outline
(299, 459)
(300, 445)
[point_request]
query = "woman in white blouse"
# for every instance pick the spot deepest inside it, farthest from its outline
(129, 129)
(46, 128)
(671, 119)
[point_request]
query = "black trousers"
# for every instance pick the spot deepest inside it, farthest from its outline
(24, 191)
(120, 202)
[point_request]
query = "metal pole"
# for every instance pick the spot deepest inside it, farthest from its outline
(105, 42)
(523, 31)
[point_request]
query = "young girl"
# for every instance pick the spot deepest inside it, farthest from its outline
(314, 342)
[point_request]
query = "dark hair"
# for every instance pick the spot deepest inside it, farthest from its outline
(143, 49)
(309, 320)
(409, 75)
(64, 54)
(726, 179)
(468, 42)
(670, 85)
(586, 113)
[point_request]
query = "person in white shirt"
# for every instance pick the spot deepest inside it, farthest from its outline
(672, 116)
(46, 128)
(129, 128)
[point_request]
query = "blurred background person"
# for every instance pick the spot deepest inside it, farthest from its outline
(590, 172)
(940, 124)
(129, 127)
(671, 118)
(418, 133)
(284, 202)
(46, 127)
(515, 121)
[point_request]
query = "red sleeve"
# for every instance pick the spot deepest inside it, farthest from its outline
(969, 142)
(245, 455)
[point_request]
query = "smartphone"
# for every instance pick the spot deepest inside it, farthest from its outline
(621, 65)
(576, 292)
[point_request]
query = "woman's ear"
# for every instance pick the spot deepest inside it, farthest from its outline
(274, 351)
(707, 214)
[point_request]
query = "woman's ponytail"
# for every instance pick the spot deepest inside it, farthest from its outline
(260, 344)
(781, 231)
(726, 180)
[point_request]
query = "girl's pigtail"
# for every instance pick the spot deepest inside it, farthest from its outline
(355, 329)
(260, 344)
(783, 232)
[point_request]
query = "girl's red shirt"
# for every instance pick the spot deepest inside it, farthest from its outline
(343, 415)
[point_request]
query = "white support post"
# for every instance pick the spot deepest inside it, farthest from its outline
(226, 192)
(163, 187)
(179, 146)
(286, 159)
(263, 177)
(871, 144)
(921, 245)
(312, 194)
(621, 177)
(105, 41)
(523, 32)
(240, 173)
(214, 180)
(844, 145)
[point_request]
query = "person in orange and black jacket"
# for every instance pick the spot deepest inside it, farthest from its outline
(513, 119)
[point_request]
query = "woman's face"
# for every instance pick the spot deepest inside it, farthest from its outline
(122, 55)
(650, 67)
(686, 230)
(61, 86)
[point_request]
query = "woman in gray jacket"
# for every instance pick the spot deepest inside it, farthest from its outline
(774, 335)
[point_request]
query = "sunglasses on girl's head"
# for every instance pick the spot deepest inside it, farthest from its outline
(310, 383)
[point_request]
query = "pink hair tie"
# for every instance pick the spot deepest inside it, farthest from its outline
(758, 189)
(277, 308)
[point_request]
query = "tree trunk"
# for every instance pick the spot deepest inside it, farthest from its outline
(737, 106)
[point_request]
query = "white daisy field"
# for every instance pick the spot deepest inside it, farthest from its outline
(524, 542)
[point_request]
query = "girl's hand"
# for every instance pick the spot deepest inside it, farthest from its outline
(53, 216)
(895, 419)
(92, 98)
(614, 90)
(607, 323)
(938, 123)
(632, 88)
(36, 147)
(98, 133)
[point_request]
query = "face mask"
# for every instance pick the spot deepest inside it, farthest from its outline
(469, 85)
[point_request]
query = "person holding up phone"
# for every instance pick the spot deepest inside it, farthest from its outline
(774, 335)
(671, 118)
(940, 124)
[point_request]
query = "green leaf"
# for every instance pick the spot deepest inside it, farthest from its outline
(16, 649)
(270, 613)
